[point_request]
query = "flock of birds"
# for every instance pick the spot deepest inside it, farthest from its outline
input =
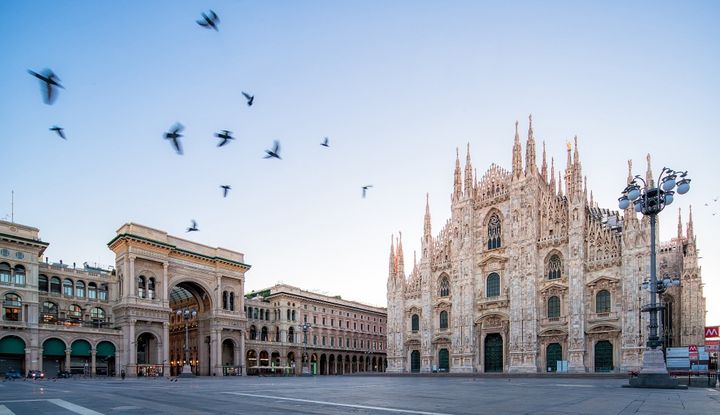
(712, 202)
(50, 83)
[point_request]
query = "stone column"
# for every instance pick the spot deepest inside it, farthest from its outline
(131, 350)
(166, 348)
(217, 351)
(243, 369)
(28, 360)
(40, 359)
(165, 290)
(93, 367)
(237, 356)
(117, 363)
(131, 290)
(218, 291)
(67, 359)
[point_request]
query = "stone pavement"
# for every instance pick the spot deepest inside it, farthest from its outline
(351, 394)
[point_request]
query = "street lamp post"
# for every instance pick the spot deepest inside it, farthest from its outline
(305, 327)
(186, 313)
(650, 200)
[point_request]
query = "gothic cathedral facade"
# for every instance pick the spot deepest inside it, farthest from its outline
(530, 275)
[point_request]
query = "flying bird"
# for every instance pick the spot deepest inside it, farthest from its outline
(209, 22)
(174, 135)
(326, 142)
(225, 135)
(59, 131)
(249, 98)
(48, 82)
(275, 152)
(193, 228)
(226, 188)
(365, 188)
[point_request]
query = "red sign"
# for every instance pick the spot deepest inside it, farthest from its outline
(712, 331)
(712, 345)
(692, 348)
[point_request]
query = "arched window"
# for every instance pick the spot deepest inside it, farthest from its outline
(55, 285)
(80, 289)
(264, 334)
(554, 268)
(415, 322)
(553, 308)
(151, 288)
(232, 301)
(43, 283)
(253, 333)
(493, 285)
(293, 315)
(494, 232)
(602, 302)
(255, 313)
(75, 313)
(225, 300)
(49, 312)
(443, 320)
(103, 293)
(19, 275)
(288, 314)
(291, 335)
(12, 307)
(444, 287)
(97, 315)
(92, 291)
(5, 273)
(141, 286)
(67, 287)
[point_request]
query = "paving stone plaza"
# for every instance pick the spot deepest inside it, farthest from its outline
(382, 394)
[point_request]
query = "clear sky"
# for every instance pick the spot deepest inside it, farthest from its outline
(397, 86)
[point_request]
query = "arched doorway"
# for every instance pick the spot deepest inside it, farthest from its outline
(147, 347)
(323, 364)
(105, 359)
(191, 296)
(493, 353)
(552, 356)
(275, 362)
(12, 354)
(347, 368)
(80, 357)
(444, 360)
(603, 356)
(54, 357)
(415, 361)
(251, 363)
(332, 369)
(314, 364)
(230, 367)
(291, 362)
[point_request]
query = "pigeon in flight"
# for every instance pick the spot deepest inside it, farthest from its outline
(365, 188)
(174, 135)
(48, 82)
(193, 228)
(275, 152)
(326, 142)
(209, 22)
(226, 188)
(59, 131)
(249, 98)
(225, 135)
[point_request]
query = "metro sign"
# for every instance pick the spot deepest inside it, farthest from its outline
(712, 331)
(692, 348)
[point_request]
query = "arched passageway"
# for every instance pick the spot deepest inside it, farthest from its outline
(192, 297)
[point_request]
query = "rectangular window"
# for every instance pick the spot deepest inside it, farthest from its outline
(315, 340)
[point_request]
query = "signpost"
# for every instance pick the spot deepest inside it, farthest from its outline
(712, 331)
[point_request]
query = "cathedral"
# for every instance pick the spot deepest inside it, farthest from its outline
(530, 275)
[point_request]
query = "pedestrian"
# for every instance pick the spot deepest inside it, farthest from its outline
(122, 374)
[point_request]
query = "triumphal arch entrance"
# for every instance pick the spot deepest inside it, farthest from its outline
(171, 289)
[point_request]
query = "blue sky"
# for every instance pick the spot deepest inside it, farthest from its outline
(397, 86)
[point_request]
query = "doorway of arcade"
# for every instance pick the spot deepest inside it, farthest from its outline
(191, 308)
(12, 355)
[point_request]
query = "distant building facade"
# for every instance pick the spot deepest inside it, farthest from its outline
(342, 336)
(529, 271)
(92, 321)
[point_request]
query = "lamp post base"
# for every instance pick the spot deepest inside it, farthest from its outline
(653, 373)
(186, 372)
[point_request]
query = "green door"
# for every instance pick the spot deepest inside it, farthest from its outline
(493, 353)
(415, 361)
(444, 359)
(603, 356)
(554, 353)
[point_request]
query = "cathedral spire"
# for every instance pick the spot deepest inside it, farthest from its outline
(468, 174)
(552, 174)
(392, 268)
(400, 260)
(543, 167)
(560, 191)
(690, 233)
(530, 165)
(457, 188)
(680, 234)
(517, 168)
(568, 170)
(592, 202)
(577, 171)
(630, 175)
(427, 231)
(648, 173)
